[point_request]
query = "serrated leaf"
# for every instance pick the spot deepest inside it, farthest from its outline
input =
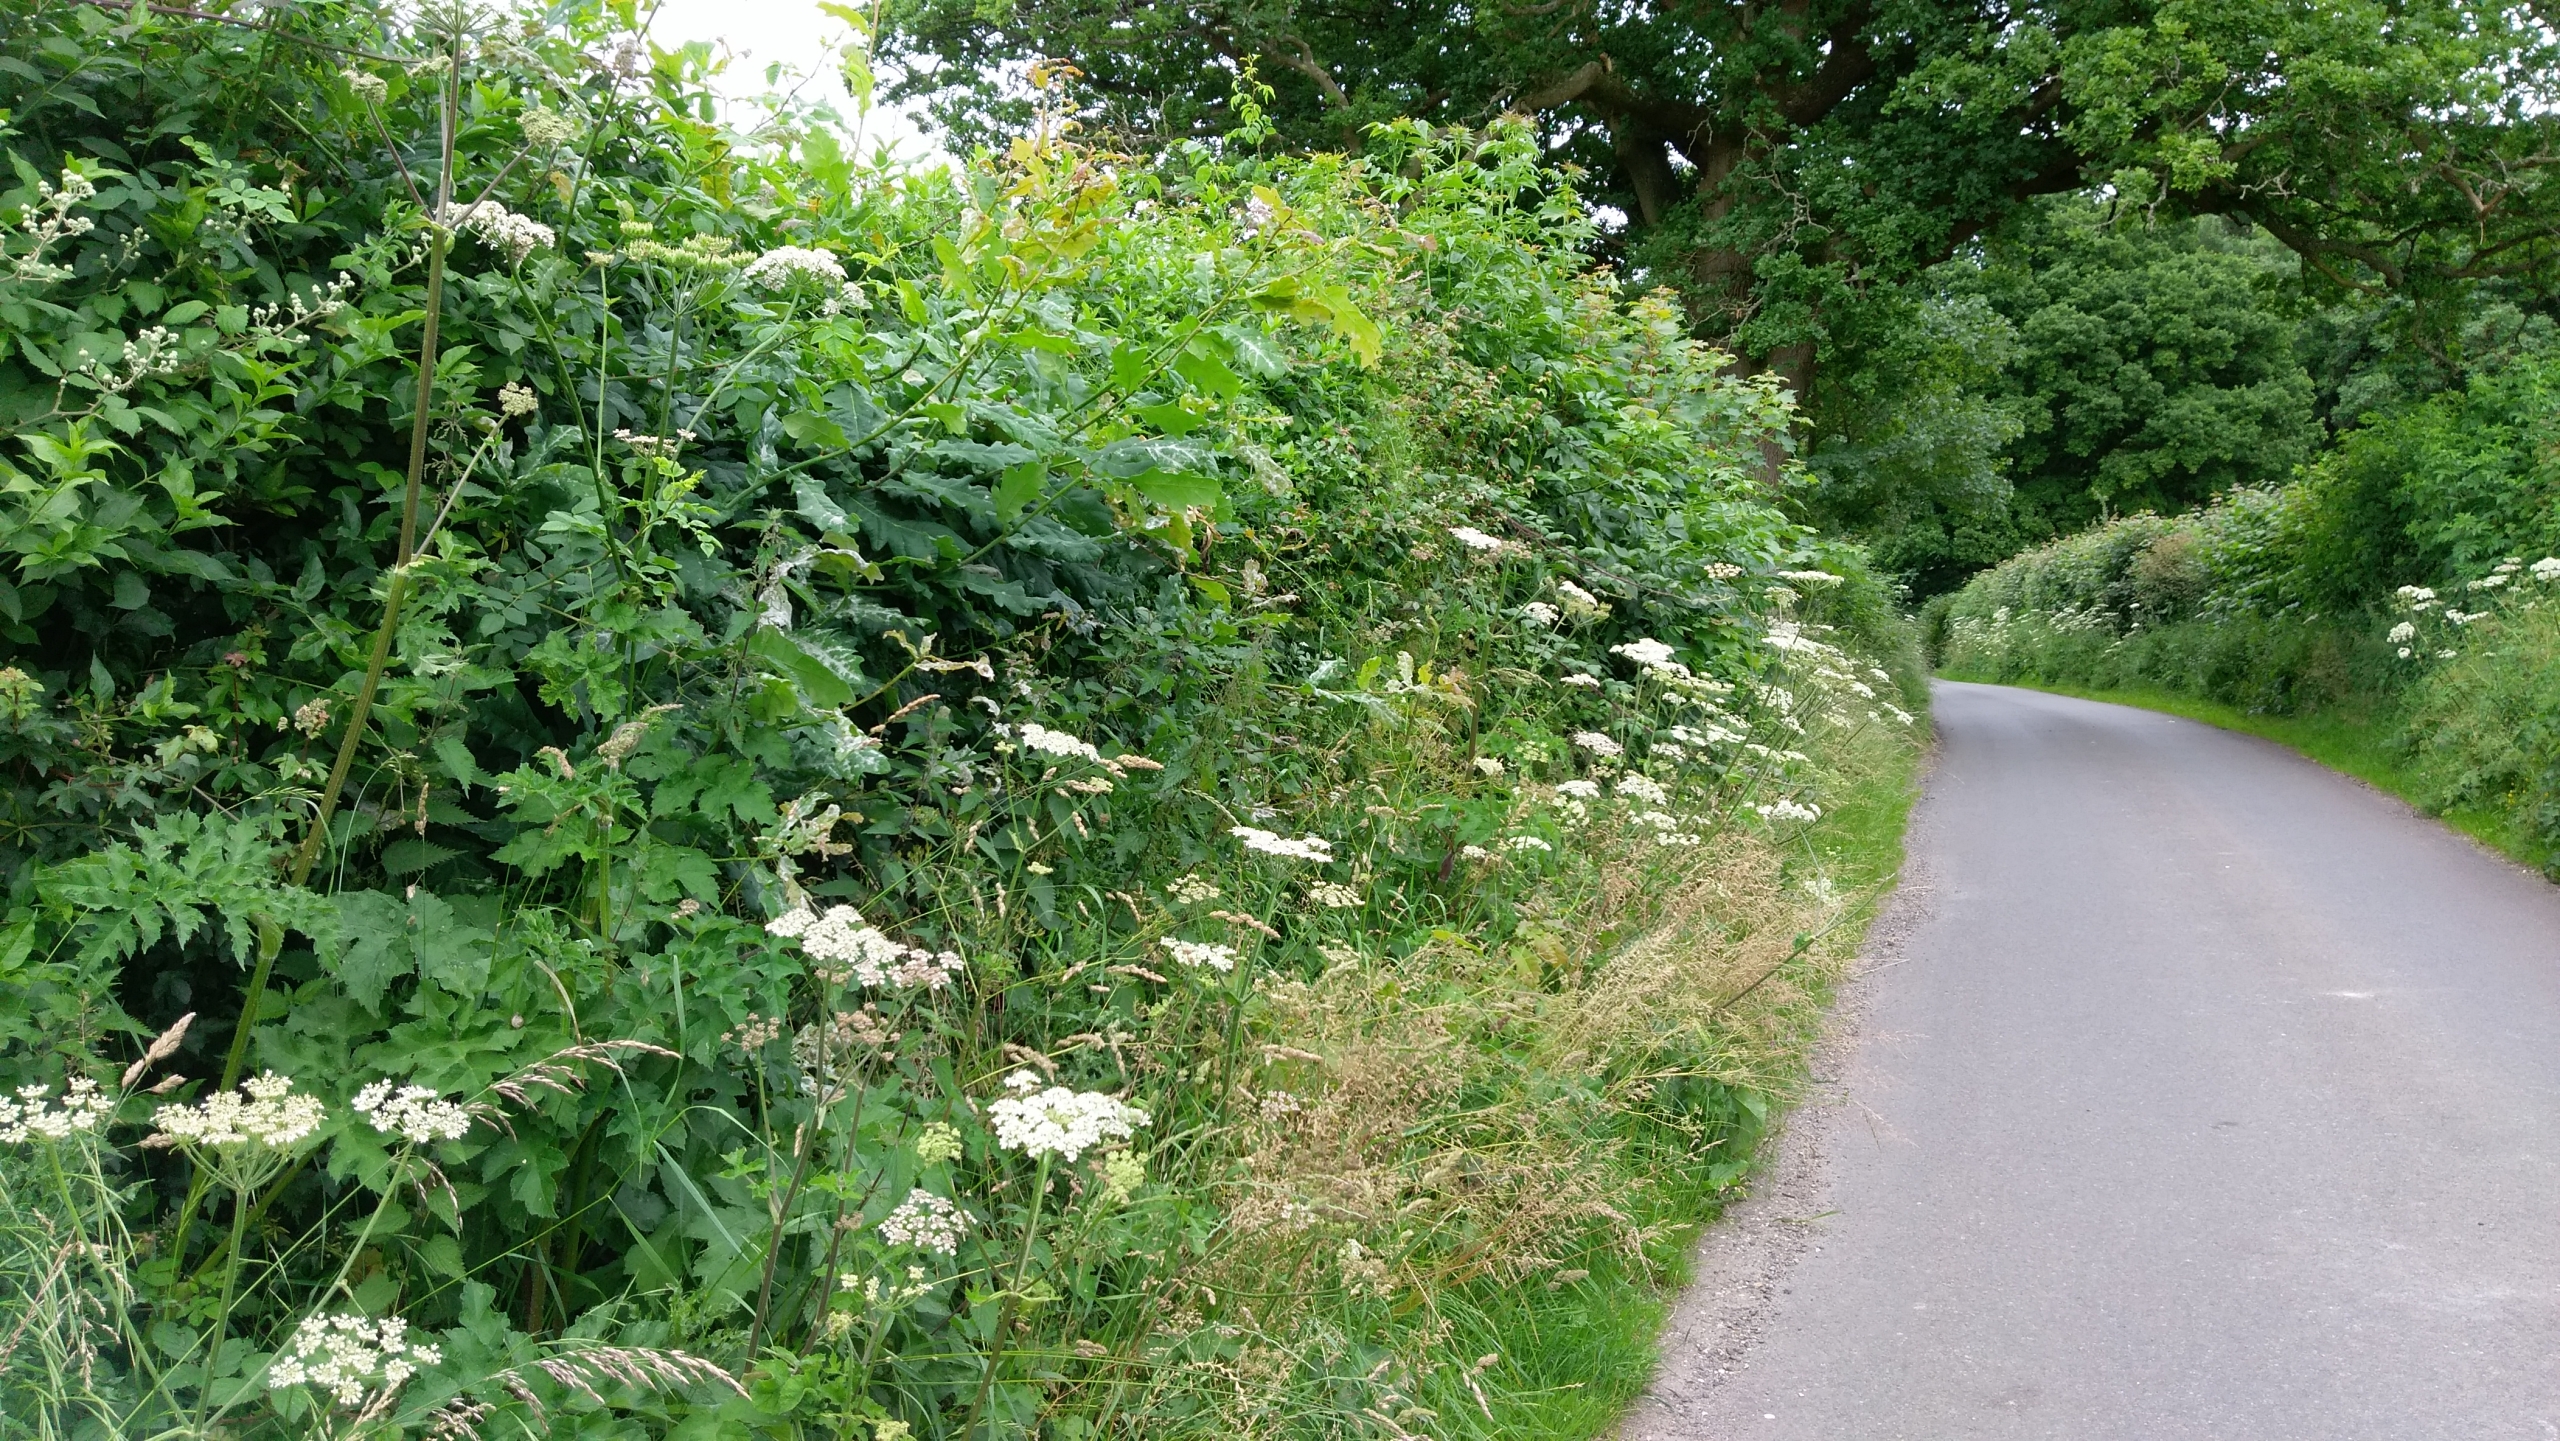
(404, 857)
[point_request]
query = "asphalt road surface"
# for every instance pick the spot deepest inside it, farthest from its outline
(2198, 1092)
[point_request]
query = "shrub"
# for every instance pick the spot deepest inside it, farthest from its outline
(859, 800)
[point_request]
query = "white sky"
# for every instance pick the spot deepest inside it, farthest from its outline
(796, 33)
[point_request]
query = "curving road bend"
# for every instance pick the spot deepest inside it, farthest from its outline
(2200, 1093)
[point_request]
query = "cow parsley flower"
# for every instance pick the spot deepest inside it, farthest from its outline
(1586, 682)
(416, 1114)
(927, 1222)
(80, 1111)
(1809, 577)
(1201, 953)
(348, 1355)
(777, 268)
(1541, 612)
(1528, 843)
(1060, 1122)
(2546, 569)
(1193, 890)
(1474, 539)
(1578, 790)
(1579, 604)
(2402, 633)
(1786, 810)
(1304, 848)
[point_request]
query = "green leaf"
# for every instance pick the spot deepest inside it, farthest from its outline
(819, 685)
(1172, 417)
(1021, 485)
(810, 428)
(403, 857)
(819, 508)
(1178, 490)
(441, 1254)
(1200, 365)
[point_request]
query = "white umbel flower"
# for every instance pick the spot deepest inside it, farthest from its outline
(1059, 1122)
(779, 267)
(416, 1114)
(30, 1117)
(349, 1355)
(1304, 848)
(1047, 742)
(264, 1114)
(502, 230)
(1597, 744)
(927, 1222)
(1474, 539)
(847, 947)
(1201, 953)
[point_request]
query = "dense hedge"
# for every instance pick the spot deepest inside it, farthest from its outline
(1250, 637)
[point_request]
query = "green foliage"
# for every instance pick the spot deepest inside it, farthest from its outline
(2087, 363)
(765, 534)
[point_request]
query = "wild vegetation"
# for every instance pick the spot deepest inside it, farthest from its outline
(2399, 587)
(664, 782)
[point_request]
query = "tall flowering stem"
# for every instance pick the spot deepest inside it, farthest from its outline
(395, 595)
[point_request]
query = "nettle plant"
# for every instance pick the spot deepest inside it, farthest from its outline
(656, 777)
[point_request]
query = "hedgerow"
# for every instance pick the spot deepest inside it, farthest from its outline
(665, 782)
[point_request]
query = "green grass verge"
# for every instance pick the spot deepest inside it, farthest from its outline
(1581, 1353)
(2359, 743)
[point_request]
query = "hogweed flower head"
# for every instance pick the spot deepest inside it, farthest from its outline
(416, 1114)
(1059, 1122)
(1598, 744)
(1201, 953)
(264, 1114)
(1304, 848)
(349, 1355)
(846, 947)
(1121, 1174)
(780, 267)
(546, 129)
(1334, 896)
(926, 1222)
(81, 1109)
(936, 1143)
(502, 230)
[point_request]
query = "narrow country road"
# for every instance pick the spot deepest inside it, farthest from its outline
(2197, 1092)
